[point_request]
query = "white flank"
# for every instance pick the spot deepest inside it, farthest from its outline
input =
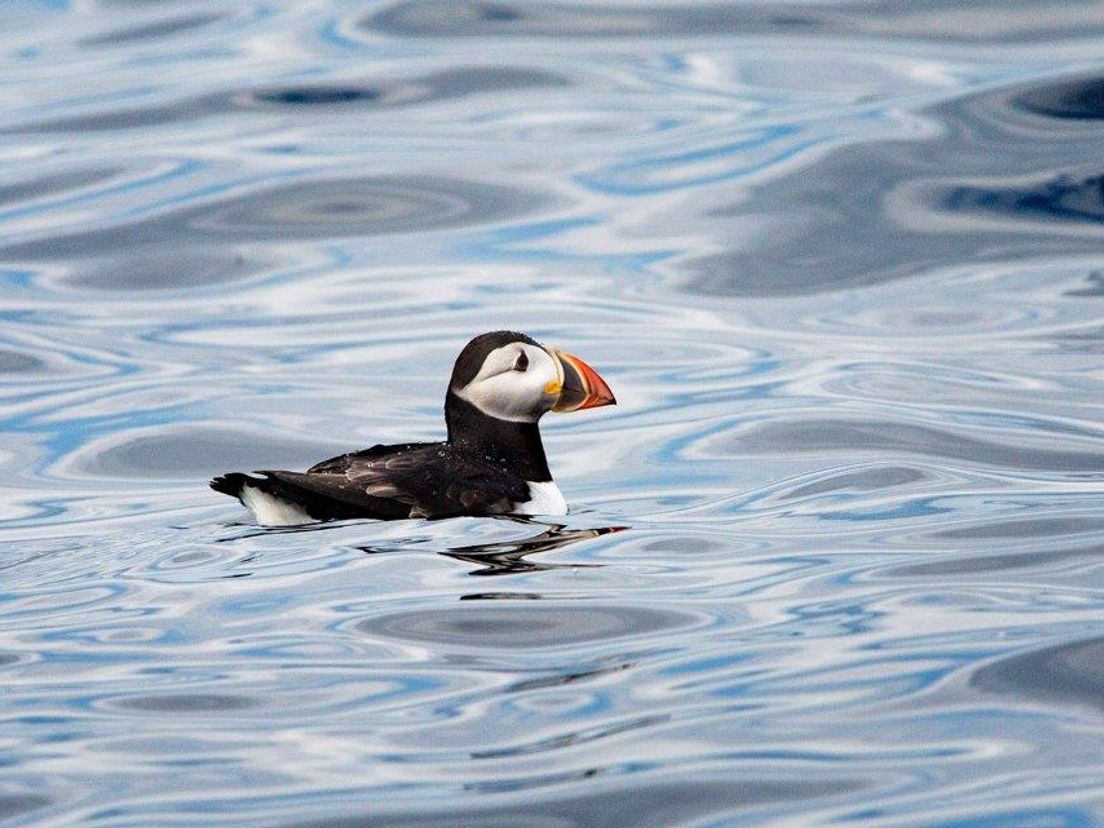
(273, 511)
(544, 499)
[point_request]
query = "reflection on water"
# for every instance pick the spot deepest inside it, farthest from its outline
(834, 557)
(513, 556)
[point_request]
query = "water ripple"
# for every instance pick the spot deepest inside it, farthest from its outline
(932, 19)
(835, 555)
(1080, 98)
(1066, 673)
(501, 627)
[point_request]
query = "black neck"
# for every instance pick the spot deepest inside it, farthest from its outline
(515, 447)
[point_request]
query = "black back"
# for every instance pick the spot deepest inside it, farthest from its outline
(482, 468)
(414, 479)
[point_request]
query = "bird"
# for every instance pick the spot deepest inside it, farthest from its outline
(492, 461)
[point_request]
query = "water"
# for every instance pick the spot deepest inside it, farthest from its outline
(833, 559)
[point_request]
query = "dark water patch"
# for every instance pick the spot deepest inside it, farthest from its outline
(316, 95)
(478, 80)
(185, 452)
(1036, 528)
(153, 31)
(1095, 287)
(908, 207)
(338, 208)
(160, 269)
(927, 228)
(184, 111)
(1042, 560)
(7, 659)
(186, 703)
(362, 207)
(370, 95)
(1067, 674)
(886, 437)
(685, 545)
(501, 596)
(42, 186)
(864, 480)
(13, 805)
(944, 318)
(1085, 341)
(805, 214)
(1081, 344)
(1079, 99)
(1065, 198)
(646, 802)
(532, 626)
(437, 86)
(472, 18)
(16, 362)
(981, 20)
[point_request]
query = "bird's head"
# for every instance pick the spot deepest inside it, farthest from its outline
(510, 376)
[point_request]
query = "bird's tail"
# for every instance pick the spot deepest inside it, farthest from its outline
(231, 484)
(273, 501)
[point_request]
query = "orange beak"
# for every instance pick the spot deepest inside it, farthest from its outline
(580, 386)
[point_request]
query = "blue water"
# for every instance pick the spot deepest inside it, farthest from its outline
(837, 556)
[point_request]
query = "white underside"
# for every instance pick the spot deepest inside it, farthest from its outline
(544, 499)
(273, 511)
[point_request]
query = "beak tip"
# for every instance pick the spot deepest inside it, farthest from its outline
(587, 386)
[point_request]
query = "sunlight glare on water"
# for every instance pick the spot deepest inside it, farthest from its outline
(831, 559)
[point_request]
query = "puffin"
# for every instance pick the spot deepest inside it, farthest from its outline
(491, 462)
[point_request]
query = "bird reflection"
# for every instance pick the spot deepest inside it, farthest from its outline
(508, 557)
(502, 557)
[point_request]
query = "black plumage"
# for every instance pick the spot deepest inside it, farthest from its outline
(391, 482)
(484, 466)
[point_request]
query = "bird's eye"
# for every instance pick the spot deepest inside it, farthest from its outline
(522, 362)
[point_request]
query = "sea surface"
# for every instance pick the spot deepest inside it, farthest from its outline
(835, 558)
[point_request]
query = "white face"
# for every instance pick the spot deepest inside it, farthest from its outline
(517, 382)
